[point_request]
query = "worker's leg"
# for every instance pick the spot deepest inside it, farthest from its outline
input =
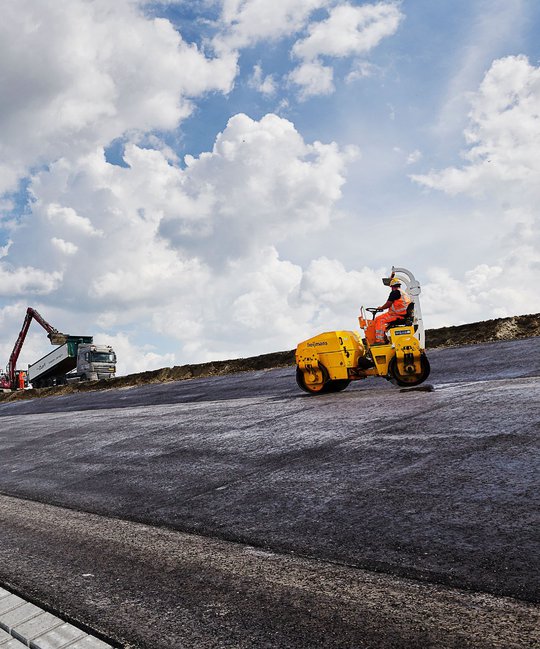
(381, 322)
(370, 332)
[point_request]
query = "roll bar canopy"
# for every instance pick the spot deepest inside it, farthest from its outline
(413, 290)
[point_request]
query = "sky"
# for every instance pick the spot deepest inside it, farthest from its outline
(195, 180)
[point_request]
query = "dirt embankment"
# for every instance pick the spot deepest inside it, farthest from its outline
(525, 326)
(522, 326)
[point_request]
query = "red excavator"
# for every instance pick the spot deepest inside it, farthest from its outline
(15, 379)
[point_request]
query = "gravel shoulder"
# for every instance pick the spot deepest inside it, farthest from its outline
(141, 586)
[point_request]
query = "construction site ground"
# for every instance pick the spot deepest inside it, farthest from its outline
(236, 511)
(513, 328)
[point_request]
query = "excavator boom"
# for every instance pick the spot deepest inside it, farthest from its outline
(55, 336)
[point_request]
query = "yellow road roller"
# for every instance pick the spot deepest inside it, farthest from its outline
(330, 361)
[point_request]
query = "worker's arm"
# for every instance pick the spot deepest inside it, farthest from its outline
(394, 295)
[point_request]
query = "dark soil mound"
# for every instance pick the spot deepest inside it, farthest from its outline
(521, 326)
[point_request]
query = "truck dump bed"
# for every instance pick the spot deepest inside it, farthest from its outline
(61, 360)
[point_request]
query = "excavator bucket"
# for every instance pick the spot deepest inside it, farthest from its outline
(57, 338)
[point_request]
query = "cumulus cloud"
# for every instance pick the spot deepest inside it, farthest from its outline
(348, 31)
(481, 293)
(189, 253)
(188, 250)
(66, 247)
(501, 169)
(132, 357)
(485, 35)
(260, 183)
(503, 136)
(264, 84)
(334, 294)
(68, 219)
(313, 78)
(77, 74)
(27, 280)
(247, 22)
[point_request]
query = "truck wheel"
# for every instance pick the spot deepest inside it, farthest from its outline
(310, 388)
(409, 380)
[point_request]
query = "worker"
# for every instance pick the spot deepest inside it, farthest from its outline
(397, 304)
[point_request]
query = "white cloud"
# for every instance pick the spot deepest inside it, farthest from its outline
(247, 22)
(189, 253)
(261, 183)
(314, 78)
(500, 170)
(349, 30)
(78, 74)
(190, 256)
(65, 247)
(334, 294)
(482, 293)
(132, 358)
(27, 280)
(488, 32)
(361, 70)
(66, 217)
(5, 249)
(263, 84)
(414, 156)
(503, 135)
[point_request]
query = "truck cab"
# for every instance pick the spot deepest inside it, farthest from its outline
(95, 362)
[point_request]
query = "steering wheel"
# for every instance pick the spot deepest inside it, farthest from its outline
(373, 310)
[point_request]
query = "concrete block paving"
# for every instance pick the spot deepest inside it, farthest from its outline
(23, 624)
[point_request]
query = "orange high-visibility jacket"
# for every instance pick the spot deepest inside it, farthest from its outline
(399, 307)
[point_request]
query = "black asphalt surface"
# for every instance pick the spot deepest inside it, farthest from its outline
(439, 487)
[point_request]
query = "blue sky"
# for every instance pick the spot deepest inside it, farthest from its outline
(201, 180)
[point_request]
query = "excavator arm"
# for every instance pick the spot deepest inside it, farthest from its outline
(56, 338)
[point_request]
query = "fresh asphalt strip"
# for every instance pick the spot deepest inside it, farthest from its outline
(23, 624)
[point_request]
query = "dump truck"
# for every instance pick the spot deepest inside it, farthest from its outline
(76, 358)
(79, 359)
